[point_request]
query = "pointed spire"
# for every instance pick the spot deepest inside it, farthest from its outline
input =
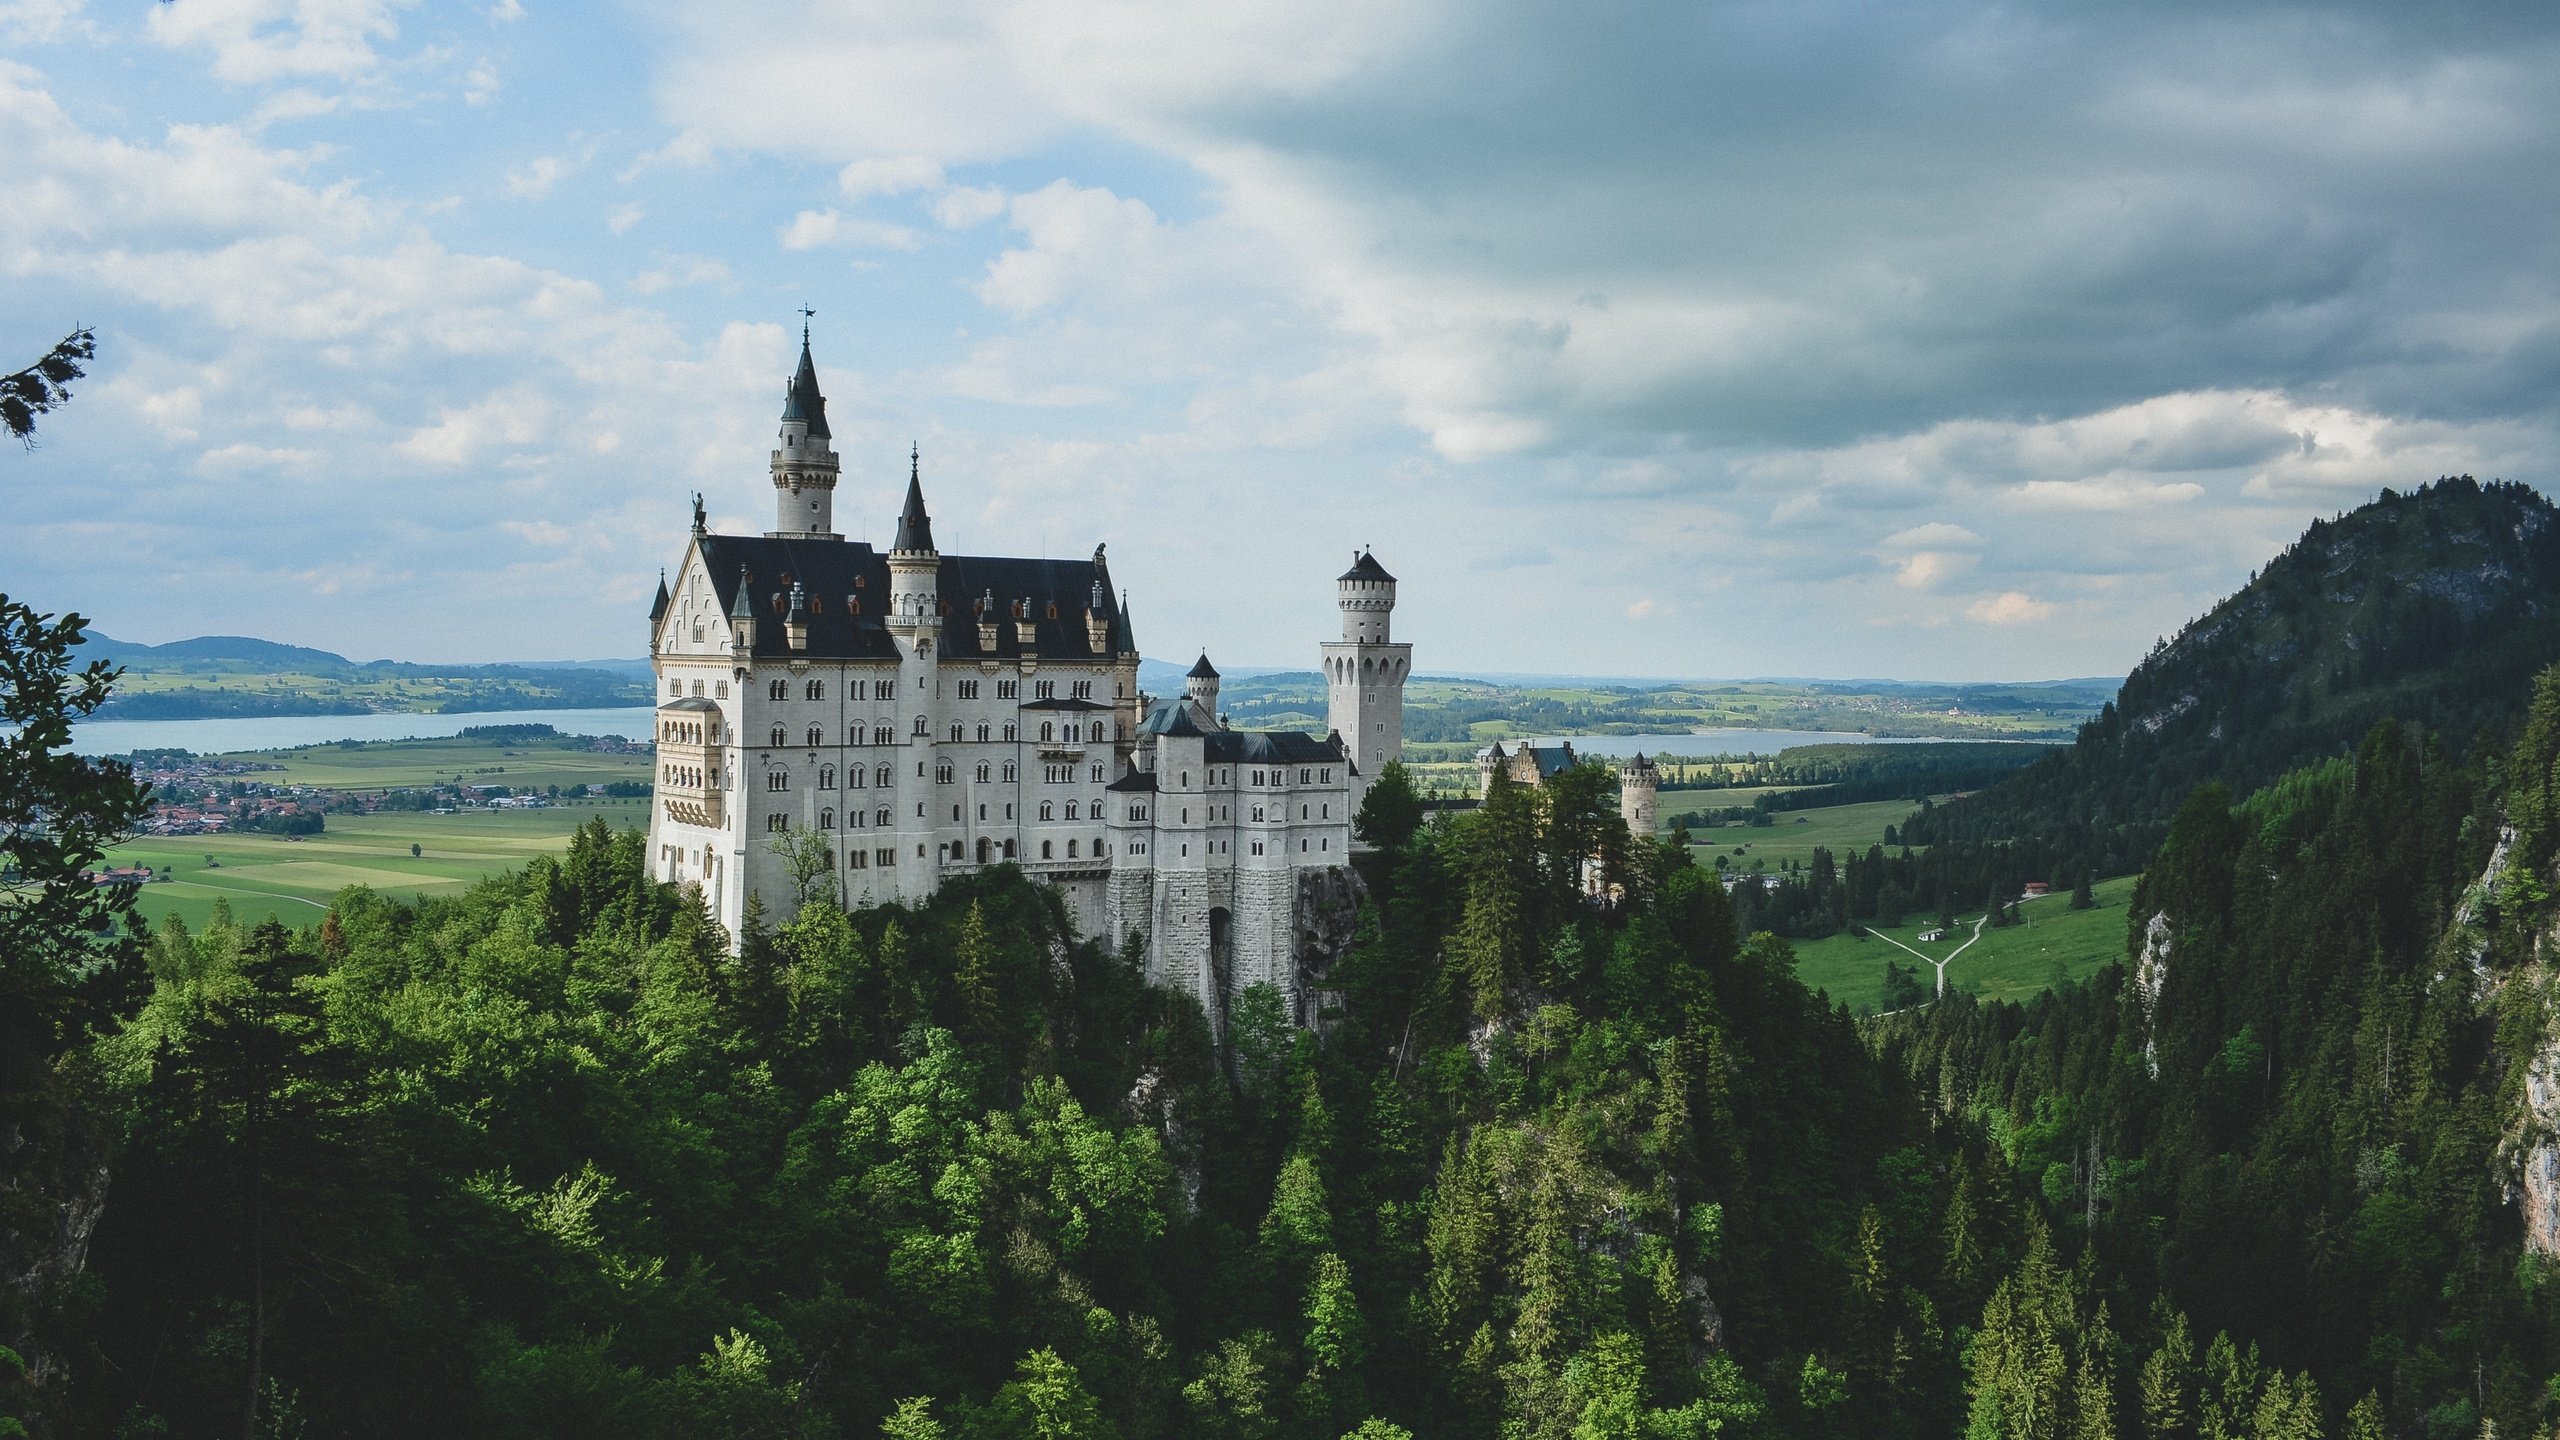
(801, 401)
(658, 607)
(744, 608)
(915, 528)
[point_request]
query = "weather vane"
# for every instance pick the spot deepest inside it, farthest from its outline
(806, 315)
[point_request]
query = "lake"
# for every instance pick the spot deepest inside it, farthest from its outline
(1739, 742)
(279, 732)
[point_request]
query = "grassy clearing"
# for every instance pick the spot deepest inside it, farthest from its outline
(262, 875)
(1837, 828)
(384, 764)
(2012, 964)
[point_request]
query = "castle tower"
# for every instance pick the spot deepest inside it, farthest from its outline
(1200, 688)
(915, 622)
(804, 459)
(1364, 672)
(1639, 798)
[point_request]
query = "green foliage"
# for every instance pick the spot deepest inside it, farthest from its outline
(1391, 813)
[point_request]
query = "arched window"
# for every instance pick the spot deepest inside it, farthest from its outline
(1048, 810)
(1071, 849)
(921, 727)
(1008, 772)
(1045, 851)
(982, 772)
(986, 850)
(1071, 810)
(1008, 849)
(942, 773)
(777, 780)
(1097, 772)
(1074, 733)
(817, 690)
(826, 819)
(880, 818)
(778, 690)
(880, 735)
(780, 736)
(817, 737)
(1010, 732)
(955, 732)
(1045, 729)
(826, 777)
(857, 735)
(880, 777)
(982, 730)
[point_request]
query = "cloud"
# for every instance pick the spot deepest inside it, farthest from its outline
(2010, 607)
(821, 229)
(965, 207)
(534, 180)
(505, 12)
(673, 271)
(254, 42)
(621, 219)
(896, 176)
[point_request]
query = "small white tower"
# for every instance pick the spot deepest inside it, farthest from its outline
(1364, 672)
(1200, 689)
(804, 459)
(1639, 798)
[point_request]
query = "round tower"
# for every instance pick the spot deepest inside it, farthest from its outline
(1639, 798)
(1365, 671)
(1200, 687)
(914, 565)
(1367, 595)
(804, 458)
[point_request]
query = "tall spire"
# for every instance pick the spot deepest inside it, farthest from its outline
(658, 607)
(801, 401)
(915, 528)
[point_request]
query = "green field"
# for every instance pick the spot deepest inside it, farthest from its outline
(383, 764)
(292, 879)
(1837, 828)
(2010, 964)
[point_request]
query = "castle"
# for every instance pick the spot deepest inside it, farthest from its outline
(929, 714)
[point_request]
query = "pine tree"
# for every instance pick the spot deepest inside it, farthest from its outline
(981, 1008)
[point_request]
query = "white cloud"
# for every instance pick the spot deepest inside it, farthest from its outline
(534, 180)
(893, 176)
(821, 229)
(505, 12)
(1646, 609)
(673, 271)
(515, 417)
(44, 22)
(2010, 607)
(965, 207)
(254, 42)
(622, 218)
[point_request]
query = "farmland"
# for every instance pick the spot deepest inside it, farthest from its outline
(2051, 939)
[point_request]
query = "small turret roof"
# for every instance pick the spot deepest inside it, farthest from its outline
(802, 400)
(915, 528)
(743, 608)
(658, 607)
(1203, 670)
(1365, 566)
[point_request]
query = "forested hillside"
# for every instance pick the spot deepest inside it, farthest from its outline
(546, 1160)
(2434, 607)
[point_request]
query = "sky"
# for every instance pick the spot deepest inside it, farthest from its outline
(1924, 339)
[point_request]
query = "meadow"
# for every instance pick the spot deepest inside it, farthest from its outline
(2050, 940)
(1837, 828)
(292, 879)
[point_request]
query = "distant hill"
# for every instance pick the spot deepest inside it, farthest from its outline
(2436, 606)
(238, 675)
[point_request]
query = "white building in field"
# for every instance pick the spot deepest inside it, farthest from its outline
(931, 714)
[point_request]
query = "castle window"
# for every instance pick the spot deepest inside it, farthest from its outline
(955, 814)
(776, 824)
(1328, 775)
(1097, 772)
(1257, 847)
(968, 689)
(1009, 776)
(1101, 731)
(675, 687)
(1326, 812)
(1071, 810)
(857, 860)
(777, 780)
(719, 689)
(1045, 851)
(982, 730)
(1044, 689)
(1084, 690)
(955, 732)
(885, 858)
(817, 737)
(1137, 812)
(1071, 849)
(1008, 811)
(881, 736)
(1008, 849)
(1009, 731)
(1186, 783)
(880, 777)
(1257, 777)
(1048, 810)
(826, 777)
(884, 690)
(778, 690)
(983, 772)
(1008, 689)
(880, 817)
(781, 736)
(1302, 777)
(1074, 733)
(856, 736)
(985, 850)
(817, 690)
(826, 819)
(1047, 731)
(697, 690)
(942, 776)
(1257, 814)
(922, 728)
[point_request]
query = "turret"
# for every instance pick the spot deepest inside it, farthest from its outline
(795, 621)
(804, 457)
(1639, 798)
(1367, 595)
(914, 565)
(1200, 687)
(742, 616)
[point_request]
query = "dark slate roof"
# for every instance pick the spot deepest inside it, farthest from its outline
(759, 570)
(801, 401)
(1552, 759)
(690, 702)
(1171, 717)
(915, 528)
(1203, 670)
(1365, 566)
(1271, 747)
(658, 607)
(1063, 702)
(1140, 780)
